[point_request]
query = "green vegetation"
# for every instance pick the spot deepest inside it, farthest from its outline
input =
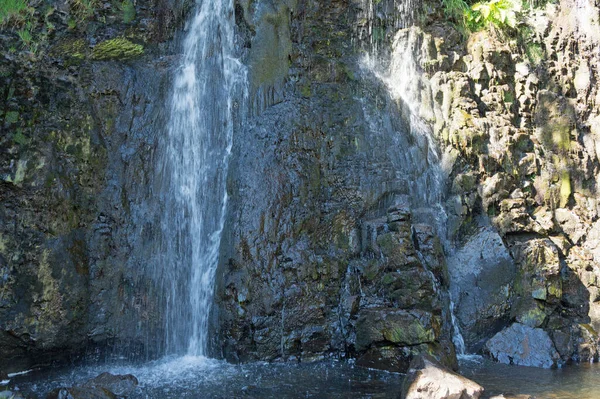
(83, 9)
(117, 49)
(500, 14)
(128, 11)
(456, 11)
(14, 12)
(496, 13)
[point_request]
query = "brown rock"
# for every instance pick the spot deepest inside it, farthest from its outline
(426, 379)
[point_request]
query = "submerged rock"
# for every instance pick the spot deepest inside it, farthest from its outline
(427, 379)
(80, 393)
(11, 395)
(104, 386)
(523, 345)
(120, 385)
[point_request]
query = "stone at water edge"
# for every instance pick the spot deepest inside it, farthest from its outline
(524, 346)
(427, 379)
(511, 396)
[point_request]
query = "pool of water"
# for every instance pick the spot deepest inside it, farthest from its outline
(199, 377)
(578, 381)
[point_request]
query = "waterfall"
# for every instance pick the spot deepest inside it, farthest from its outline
(208, 88)
(399, 72)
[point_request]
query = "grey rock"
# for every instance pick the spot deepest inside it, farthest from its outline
(524, 346)
(482, 272)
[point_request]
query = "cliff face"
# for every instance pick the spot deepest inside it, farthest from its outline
(518, 118)
(323, 256)
(80, 114)
(333, 242)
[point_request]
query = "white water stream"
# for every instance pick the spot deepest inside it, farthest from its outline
(207, 89)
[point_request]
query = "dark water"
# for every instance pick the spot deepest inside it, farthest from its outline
(580, 381)
(198, 377)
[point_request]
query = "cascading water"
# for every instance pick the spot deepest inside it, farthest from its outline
(399, 71)
(207, 89)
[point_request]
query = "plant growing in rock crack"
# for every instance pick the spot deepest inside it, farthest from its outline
(494, 13)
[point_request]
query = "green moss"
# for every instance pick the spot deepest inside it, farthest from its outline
(19, 138)
(409, 334)
(305, 90)
(11, 117)
(117, 49)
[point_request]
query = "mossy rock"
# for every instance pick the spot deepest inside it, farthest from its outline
(73, 50)
(117, 49)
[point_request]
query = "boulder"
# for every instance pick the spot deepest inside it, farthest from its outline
(523, 345)
(482, 272)
(427, 379)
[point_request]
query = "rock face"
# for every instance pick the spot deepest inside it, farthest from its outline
(327, 251)
(426, 379)
(335, 242)
(75, 166)
(524, 346)
(519, 119)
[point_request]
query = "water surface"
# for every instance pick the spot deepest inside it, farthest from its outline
(199, 377)
(578, 381)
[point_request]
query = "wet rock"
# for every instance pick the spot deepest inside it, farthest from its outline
(11, 395)
(120, 385)
(512, 396)
(104, 386)
(538, 284)
(522, 345)
(427, 379)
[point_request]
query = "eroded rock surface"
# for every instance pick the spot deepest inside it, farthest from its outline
(426, 379)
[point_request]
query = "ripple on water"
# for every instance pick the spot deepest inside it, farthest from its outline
(581, 381)
(200, 377)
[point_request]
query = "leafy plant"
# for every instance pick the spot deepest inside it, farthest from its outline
(496, 13)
